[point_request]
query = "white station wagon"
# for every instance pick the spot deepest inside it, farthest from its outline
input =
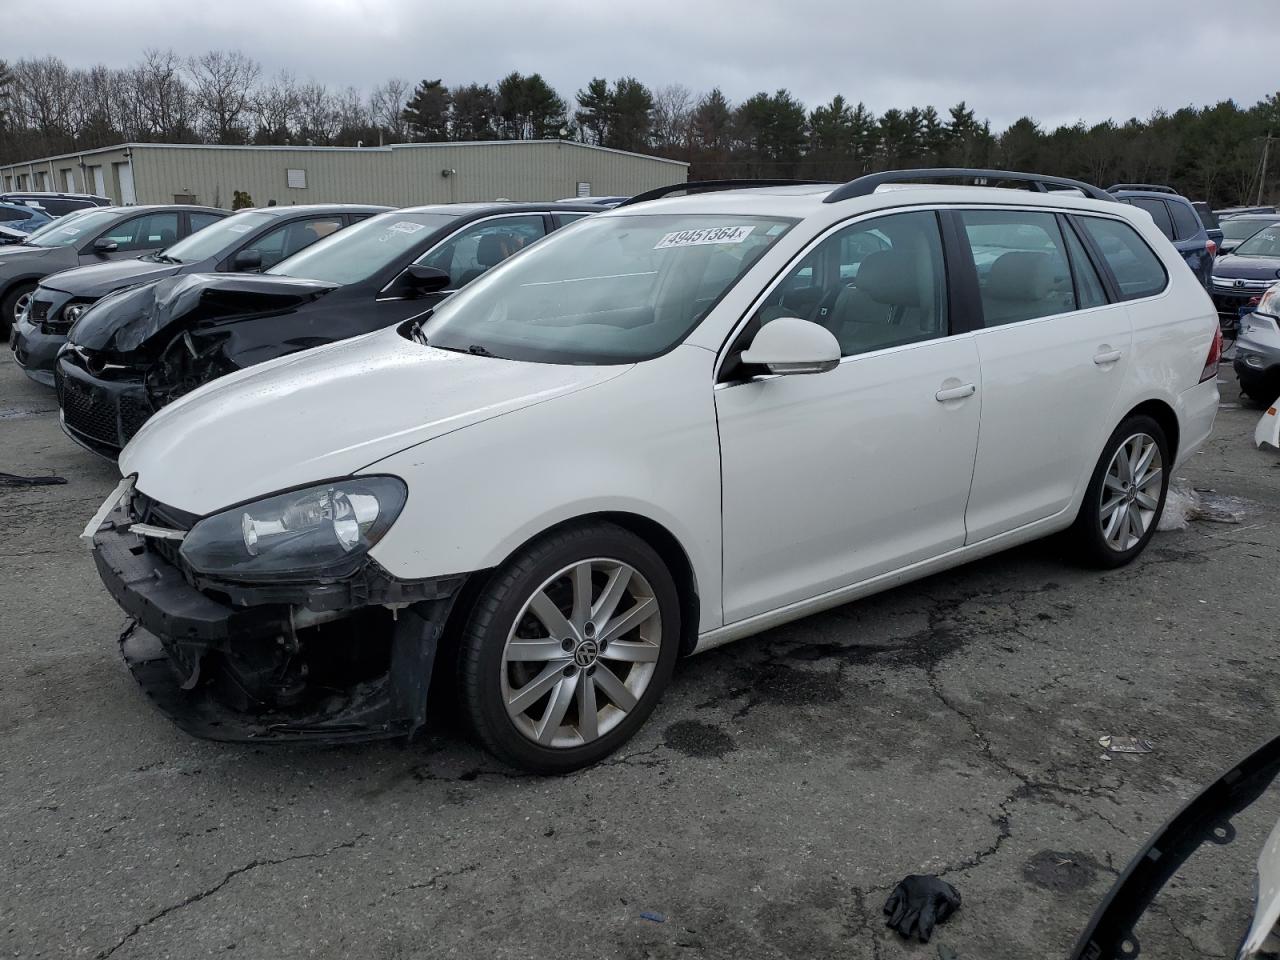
(668, 426)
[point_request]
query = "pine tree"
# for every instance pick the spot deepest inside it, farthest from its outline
(595, 110)
(427, 112)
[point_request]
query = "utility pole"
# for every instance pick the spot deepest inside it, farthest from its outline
(1262, 170)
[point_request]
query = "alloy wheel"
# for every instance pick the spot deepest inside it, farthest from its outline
(20, 307)
(581, 653)
(1131, 492)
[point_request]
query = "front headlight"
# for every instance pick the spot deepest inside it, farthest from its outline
(323, 530)
(1270, 302)
(72, 312)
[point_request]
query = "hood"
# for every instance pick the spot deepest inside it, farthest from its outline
(326, 413)
(99, 279)
(124, 321)
(1232, 267)
(20, 256)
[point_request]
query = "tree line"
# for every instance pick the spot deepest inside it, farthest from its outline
(46, 107)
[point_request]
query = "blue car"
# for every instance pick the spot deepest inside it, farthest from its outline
(18, 221)
(1177, 219)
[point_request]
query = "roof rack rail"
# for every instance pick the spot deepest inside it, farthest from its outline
(867, 185)
(709, 186)
(1150, 187)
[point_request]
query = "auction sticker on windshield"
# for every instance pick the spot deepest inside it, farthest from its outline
(693, 238)
(406, 226)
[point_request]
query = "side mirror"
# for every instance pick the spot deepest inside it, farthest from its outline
(103, 245)
(790, 345)
(248, 260)
(425, 279)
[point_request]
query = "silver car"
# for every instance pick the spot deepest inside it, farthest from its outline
(1257, 361)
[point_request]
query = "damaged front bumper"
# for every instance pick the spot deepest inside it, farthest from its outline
(334, 661)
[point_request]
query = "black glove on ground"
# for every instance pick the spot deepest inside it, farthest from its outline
(918, 902)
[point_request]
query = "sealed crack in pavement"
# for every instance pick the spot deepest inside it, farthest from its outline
(210, 891)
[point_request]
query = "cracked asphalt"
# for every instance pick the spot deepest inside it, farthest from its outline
(783, 786)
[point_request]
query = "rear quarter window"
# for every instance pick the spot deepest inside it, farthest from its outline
(1159, 213)
(1185, 223)
(1137, 270)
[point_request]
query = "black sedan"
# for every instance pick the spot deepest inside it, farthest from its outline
(249, 241)
(94, 235)
(1241, 278)
(141, 348)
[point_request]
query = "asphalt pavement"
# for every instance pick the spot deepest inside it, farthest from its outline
(783, 786)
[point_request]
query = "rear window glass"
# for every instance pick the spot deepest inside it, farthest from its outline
(1159, 213)
(1138, 271)
(1185, 223)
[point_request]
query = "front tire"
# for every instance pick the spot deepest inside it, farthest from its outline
(568, 648)
(1125, 497)
(12, 305)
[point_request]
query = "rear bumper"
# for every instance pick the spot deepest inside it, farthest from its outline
(1197, 408)
(232, 673)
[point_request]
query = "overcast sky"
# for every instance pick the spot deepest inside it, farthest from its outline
(1056, 62)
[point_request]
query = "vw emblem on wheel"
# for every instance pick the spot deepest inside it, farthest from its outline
(586, 653)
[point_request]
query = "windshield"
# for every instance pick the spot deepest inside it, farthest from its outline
(215, 238)
(606, 290)
(1264, 243)
(1242, 229)
(360, 251)
(73, 228)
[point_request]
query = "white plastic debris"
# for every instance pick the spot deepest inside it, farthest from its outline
(1114, 744)
(1183, 503)
(1268, 429)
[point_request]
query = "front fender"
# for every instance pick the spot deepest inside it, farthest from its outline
(643, 443)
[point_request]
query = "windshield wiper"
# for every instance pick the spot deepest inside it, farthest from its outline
(475, 349)
(164, 258)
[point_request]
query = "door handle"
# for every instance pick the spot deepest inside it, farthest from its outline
(1106, 356)
(956, 393)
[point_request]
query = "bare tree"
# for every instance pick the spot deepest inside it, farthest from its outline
(318, 115)
(165, 104)
(354, 124)
(223, 83)
(277, 106)
(672, 117)
(386, 108)
(42, 95)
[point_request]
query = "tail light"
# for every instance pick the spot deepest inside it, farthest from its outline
(1211, 248)
(1215, 354)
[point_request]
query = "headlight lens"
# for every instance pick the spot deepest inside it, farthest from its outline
(322, 530)
(1270, 302)
(72, 312)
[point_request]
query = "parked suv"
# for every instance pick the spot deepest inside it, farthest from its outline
(91, 236)
(1177, 219)
(249, 241)
(144, 347)
(673, 425)
(54, 203)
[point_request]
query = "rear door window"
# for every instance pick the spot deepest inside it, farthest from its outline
(1022, 265)
(1089, 289)
(1186, 225)
(1159, 213)
(1137, 270)
(201, 220)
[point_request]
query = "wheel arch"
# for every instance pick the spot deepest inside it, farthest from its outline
(1163, 414)
(655, 534)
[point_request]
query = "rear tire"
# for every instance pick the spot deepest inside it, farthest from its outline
(11, 305)
(1125, 497)
(568, 648)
